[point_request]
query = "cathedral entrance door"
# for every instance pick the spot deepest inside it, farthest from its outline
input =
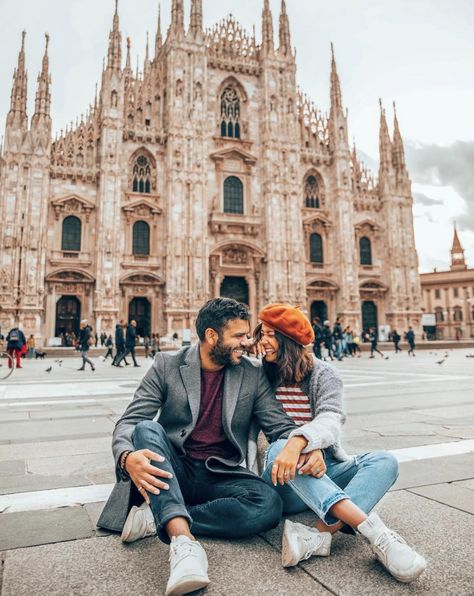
(319, 309)
(139, 310)
(236, 288)
(369, 315)
(68, 315)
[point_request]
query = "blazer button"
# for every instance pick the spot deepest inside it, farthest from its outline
(183, 433)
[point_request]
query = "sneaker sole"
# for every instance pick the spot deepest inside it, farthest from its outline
(188, 584)
(415, 574)
(127, 528)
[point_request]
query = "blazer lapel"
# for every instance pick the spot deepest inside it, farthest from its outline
(232, 382)
(191, 375)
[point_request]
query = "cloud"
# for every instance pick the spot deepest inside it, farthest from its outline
(451, 166)
(423, 199)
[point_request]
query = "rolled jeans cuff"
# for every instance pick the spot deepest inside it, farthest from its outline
(167, 515)
(323, 511)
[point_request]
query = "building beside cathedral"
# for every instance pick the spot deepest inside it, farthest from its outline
(449, 296)
(207, 173)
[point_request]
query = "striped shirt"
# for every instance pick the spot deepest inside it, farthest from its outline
(295, 403)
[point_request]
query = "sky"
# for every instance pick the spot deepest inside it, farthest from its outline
(419, 53)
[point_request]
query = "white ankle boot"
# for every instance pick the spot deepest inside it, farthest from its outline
(140, 523)
(402, 561)
(300, 542)
(188, 566)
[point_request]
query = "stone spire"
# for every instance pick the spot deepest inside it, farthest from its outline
(43, 93)
(385, 144)
(285, 36)
(336, 95)
(398, 152)
(196, 24)
(356, 171)
(17, 114)
(158, 37)
(128, 62)
(267, 29)
(458, 262)
(114, 61)
(177, 18)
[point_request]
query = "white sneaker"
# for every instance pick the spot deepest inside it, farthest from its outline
(300, 542)
(402, 561)
(140, 523)
(188, 566)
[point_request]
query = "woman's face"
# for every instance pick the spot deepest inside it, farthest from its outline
(269, 343)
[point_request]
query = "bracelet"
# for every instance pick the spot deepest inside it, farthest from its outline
(123, 461)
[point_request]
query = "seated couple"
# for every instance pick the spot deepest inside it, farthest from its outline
(185, 475)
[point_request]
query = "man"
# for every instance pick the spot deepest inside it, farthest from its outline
(411, 341)
(338, 338)
(189, 465)
(327, 340)
(374, 340)
(396, 337)
(318, 337)
(119, 343)
(130, 342)
(15, 342)
(85, 340)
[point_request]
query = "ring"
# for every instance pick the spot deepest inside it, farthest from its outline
(140, 488)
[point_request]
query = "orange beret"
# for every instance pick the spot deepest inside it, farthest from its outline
(289, 321)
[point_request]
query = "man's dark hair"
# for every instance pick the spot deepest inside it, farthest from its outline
(216, 313)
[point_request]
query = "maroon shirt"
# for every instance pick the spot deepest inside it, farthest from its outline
(208, 437)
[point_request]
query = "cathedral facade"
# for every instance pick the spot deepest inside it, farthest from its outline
(207, 173)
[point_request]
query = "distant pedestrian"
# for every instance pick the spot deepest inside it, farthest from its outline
(103, 339)
(396, 337)
(338, 339)
(86, 339)
(96, 340)
(109, 344)
(31, 347)
(356, 344)
(373, 344)
(119, 343)
(411, 341)
(327, 340)
(146, 343)
(318, 337)
(15, 342)
(130, 342)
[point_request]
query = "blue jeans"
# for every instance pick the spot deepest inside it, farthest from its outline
(219, 505)
(364, 479)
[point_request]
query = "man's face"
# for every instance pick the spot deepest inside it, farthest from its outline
(231, 342)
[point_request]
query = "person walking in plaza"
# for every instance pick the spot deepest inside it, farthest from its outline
(86, 339)
(318, 337)
(315, 472)
(109, 344)
(372, 337)
(411, 341)
(153, 345)
(338, 339)
(146, 344)
(119, 343)
(15, 342)
(187, 468)
(327, 340)
(31, 347)
(130, 342)
(396, 337)
(103, 339)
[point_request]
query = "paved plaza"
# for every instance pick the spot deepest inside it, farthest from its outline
(56, 470)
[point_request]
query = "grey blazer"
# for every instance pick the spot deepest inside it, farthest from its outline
(171, 389)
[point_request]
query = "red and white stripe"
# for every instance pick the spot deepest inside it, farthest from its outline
(295, 403)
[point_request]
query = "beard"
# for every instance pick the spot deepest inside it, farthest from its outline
(221, 354)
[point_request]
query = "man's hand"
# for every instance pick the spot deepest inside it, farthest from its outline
(312, 463)
(144, 475)
(284, 466)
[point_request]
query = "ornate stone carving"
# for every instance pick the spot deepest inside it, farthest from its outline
(234, 256)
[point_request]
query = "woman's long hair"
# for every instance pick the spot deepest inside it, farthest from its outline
(293, 362)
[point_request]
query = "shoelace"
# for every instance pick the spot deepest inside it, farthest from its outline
(386, 540)
(182, 550)
(310, 545)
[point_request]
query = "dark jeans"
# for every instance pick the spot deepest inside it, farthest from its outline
(219, 505)
(120, 352)
(317, 350)
(123, 356)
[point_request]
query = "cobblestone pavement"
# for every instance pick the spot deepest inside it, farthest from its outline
(56, 470)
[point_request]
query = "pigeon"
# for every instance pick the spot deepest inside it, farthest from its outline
(59, 362)
(48, 370)
(469, 355)
(440, 361)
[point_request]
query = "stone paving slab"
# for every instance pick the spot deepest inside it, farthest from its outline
(14, 467)
(72, 412)
(33, 482)
(79, 465)
(31, 528)
(51, 429)
(438, 532)
(103, 566)
(451, 494)
(33, 449)
(372, 443)
(93, 511)
(435, 471)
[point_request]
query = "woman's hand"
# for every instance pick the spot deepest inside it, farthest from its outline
(312, 463)
(144, 475)
(284, 466)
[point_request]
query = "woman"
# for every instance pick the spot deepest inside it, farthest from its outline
(318, 474)
(31, 346)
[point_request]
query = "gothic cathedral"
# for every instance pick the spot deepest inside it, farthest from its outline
(207, 174)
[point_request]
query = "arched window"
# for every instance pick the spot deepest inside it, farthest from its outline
(311, 193)
(316, 249)
(365, 251)
(230, 113)
(457, 316)
(233, 195)
(71, 237)
(141, 181)
(439, 315)
(141, 238)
